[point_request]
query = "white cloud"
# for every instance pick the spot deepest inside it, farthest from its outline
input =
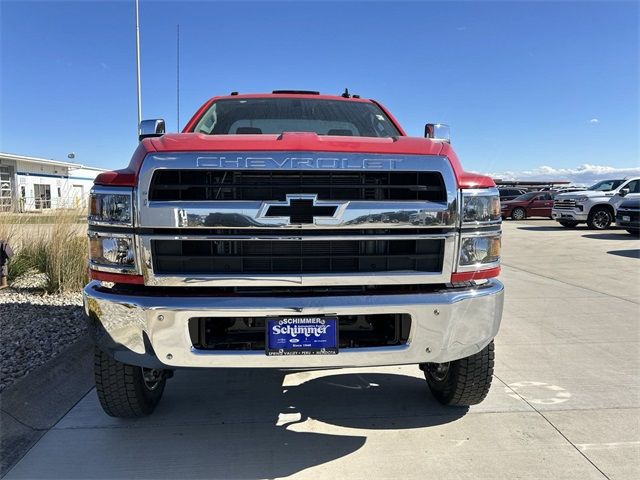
(594, 120)
(585, 174)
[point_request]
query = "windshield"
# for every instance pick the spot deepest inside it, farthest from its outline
(606, 185)
(277, 115)
(526, 196)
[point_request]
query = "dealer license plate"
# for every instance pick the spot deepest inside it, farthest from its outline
(302, 336)
(626, 218)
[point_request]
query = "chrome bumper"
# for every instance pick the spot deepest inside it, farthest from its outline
(153, 330)
(566, 214)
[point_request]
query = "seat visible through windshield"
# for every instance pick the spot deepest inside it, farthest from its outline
(277, 115)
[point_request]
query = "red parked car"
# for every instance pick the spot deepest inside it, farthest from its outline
(532, 204)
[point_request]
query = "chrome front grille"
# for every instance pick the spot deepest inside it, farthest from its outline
(377, 220)
(564, 204)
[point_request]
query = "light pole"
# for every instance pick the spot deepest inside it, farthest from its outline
(178, 78)
(138, 68)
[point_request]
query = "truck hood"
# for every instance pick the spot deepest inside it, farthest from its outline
(291, 142)
(294, 141)
(583, 193)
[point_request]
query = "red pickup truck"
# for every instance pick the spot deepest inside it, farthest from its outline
(292, 230)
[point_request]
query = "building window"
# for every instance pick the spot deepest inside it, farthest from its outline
(5, 189)
(42, 195)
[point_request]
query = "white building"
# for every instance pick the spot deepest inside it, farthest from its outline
(31, 184)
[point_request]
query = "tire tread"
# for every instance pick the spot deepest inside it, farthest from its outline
(469, 380)
(120, 388)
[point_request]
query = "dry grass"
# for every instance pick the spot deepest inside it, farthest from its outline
(57, 248)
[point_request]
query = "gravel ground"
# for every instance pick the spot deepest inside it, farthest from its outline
(35, 327)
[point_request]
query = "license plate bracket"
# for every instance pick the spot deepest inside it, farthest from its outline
(301, 336)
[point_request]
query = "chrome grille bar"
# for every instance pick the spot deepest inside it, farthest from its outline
(564, 204)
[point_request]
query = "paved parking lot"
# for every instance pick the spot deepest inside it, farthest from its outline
(565, 401)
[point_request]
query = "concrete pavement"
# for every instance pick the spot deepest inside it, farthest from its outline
(565, 401)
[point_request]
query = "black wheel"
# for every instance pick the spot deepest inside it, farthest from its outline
(600, 218)
(124, 390)
(519, 214)
(568, 223)
(461, 382)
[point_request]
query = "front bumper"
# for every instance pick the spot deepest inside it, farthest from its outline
(569, 214)
(631, 224)
(152, 331)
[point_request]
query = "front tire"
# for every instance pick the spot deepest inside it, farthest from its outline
(600, 218)
(462, 382)
(126, 391)
(519, 214)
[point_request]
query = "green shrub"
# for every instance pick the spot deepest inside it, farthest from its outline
(59, 250)
(19, 265)
(65, 264)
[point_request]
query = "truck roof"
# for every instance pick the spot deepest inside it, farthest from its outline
(291, 142)
(293, 94)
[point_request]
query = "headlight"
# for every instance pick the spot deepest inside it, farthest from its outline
(112, 252)
(582, 199)
(110, 206)
(479, 250)
(481, 206)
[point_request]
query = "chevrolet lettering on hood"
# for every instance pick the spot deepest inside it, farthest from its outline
(328, 163)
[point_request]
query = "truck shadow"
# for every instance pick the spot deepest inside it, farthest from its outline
(547, 228)
(371, 401)
(291, 428)
(633, 253)
(246, 424)
(615, 235)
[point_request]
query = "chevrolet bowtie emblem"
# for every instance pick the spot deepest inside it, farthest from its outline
(300, 209)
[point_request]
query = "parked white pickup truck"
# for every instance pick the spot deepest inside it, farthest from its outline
(597, 205)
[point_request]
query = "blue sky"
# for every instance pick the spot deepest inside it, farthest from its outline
(523, 84)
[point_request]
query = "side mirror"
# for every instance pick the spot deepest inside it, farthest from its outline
(151, 128)
(623, 192)
(437, 131)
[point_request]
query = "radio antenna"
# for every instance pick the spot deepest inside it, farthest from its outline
(178, 77)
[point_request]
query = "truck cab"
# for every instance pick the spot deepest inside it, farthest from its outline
(597, 205)
(292, 230)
